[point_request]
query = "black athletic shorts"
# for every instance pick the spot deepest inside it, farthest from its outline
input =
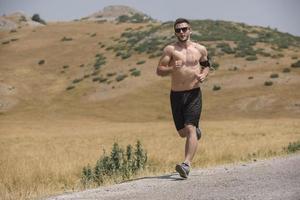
(186, 107)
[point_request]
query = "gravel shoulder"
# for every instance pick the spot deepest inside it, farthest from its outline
(276, 178)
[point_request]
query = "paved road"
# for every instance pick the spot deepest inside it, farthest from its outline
(274, 179)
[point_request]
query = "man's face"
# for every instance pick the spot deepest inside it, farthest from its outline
(182, 31)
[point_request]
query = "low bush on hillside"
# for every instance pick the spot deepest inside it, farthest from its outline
(274, 76)
(140, 62)
(296, 64)
(135, 72)
(286, 70)
(95, 73)
(66, 39)
(65, 66)
(226, 48)
(215, 65)
(251, 58)
(70, 87)
(279, 55)
(120, 165)
(216, 87)
(6, 42)
(41, 62)
(97, 79)
(109, 74)
(121, 77)
(294, 57)
(77, 80)
(100, 60)
(136, 18)
(268, 83)
(125, 55)
(36, 17)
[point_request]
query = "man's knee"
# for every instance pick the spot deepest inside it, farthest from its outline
(187, 130)
(190, 129)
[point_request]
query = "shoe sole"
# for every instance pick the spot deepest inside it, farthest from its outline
(181, 171)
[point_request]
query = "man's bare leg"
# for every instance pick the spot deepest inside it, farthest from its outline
(191, 142)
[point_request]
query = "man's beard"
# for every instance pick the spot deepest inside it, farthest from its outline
(182, 40)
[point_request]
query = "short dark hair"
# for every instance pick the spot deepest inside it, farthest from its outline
(181, 20)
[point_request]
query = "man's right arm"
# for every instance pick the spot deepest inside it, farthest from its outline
(163, 68)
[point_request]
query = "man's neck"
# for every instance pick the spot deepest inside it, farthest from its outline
(184, 44)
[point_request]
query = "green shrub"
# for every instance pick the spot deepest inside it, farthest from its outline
(277, 55)
(251, 58)
(65, 66)
(77, 80)
(41, 62)
(66, 39)
(95, 73)
(97, 79)
(119, 165)
(100, 60)
(141, 62)
(215, 65)
(293, 147)
(6, 42)
(268, 83)
(132, 69)
(216, 87)
(286, 70)
(125, 55)
(294, 57)
(296, 64)
(111, 74)
(121, 77)
(36, 17)
(103, 80)
(274, 76)
(226, 48)
(136, 72)
(70, 87)
(250, 77)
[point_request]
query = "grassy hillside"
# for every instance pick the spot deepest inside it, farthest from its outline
(69, 90)
(83, 63)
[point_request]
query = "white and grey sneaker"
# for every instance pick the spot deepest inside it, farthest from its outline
(183, 169)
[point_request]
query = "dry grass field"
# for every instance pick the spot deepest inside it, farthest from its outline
(48, 134)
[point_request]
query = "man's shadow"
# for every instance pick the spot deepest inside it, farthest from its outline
(172, 177)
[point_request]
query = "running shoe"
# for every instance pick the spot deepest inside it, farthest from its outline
(183, 169)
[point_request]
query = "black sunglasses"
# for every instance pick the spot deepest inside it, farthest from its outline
(184, 29)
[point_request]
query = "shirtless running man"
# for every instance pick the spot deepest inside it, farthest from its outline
(188, 65)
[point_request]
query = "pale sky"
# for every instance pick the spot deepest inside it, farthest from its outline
(281, 14)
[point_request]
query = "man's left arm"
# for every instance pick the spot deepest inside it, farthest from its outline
(204, 63)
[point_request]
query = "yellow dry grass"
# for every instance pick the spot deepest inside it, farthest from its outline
(44, 157)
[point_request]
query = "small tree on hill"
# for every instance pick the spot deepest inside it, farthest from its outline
(36, 18)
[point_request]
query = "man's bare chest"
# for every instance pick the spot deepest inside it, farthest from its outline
(189, 56)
